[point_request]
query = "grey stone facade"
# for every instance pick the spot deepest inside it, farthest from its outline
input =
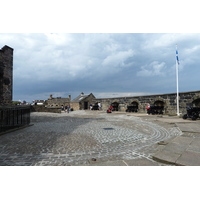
(82, 102)
(6, 75)
(167, 100)
(57, 101)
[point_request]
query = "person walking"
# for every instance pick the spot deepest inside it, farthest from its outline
(99, 105)
(68, 108)
(148, 107)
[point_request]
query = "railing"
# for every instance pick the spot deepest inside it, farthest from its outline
(12, 117)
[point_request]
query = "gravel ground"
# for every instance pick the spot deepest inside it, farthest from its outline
(84, 137)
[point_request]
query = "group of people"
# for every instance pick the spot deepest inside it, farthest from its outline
(66, 108)
(97, 106)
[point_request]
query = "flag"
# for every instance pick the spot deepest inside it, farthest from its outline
(177, 57)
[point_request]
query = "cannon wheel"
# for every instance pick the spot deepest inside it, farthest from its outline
(185, 116)
(194, 117)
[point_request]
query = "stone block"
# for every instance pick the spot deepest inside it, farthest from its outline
(189, 158)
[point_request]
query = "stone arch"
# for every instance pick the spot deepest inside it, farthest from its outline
(159, 106)
(133, 106)
(134, 103)
(159, 103)
(197, 96)
(115, 105)
(196, 102)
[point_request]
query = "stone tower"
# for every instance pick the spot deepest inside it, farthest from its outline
(6, 75)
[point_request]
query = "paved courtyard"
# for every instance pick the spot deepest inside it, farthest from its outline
(86, 138)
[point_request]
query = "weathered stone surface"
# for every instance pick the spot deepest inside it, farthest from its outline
(6, 74)
(167, 100)
(189, 158)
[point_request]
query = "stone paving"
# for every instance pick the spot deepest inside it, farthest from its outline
(84, 137)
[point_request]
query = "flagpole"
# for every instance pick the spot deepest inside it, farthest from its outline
(177, 97)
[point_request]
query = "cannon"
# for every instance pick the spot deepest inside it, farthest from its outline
(155, 110)
(114, 106)
(192, 112)
(95, 107)
(132, 109)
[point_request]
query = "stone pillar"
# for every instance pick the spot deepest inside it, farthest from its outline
(6, 75)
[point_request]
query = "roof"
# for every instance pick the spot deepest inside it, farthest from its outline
(6, 47)
(81, 97)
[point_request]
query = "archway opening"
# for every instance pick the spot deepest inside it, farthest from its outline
(159, 103)
(133, 107)
(156, 108)
(196, 103)
(115, 106)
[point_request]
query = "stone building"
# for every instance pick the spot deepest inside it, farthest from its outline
(57, 101)
(82, 102)
(6, 75)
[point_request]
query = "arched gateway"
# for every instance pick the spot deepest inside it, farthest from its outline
(115, 106)
(196, 103)
(133, 107)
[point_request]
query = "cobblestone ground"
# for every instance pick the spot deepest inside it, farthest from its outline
(81, 136)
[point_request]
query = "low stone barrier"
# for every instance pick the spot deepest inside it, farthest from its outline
(42, 108)
(14, 116)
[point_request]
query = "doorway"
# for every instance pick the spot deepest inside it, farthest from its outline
(85, 105)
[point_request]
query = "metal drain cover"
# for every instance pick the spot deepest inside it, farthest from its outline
(108, 128)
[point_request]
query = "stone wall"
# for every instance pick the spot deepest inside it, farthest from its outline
(42, 108)
(6, 75)
(14, 116)
(85, 104)
(167, 100)
(57, 101)
(82, 102)
(75, 106)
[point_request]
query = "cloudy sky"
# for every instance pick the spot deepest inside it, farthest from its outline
(108, 47)
(121, 49)
(117, 64)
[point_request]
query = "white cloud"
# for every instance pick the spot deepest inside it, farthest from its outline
(160, 40)
(112, 47)
(169, 40)
(118, 58)
(59, 39)
(153, 69)
(120, 94)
